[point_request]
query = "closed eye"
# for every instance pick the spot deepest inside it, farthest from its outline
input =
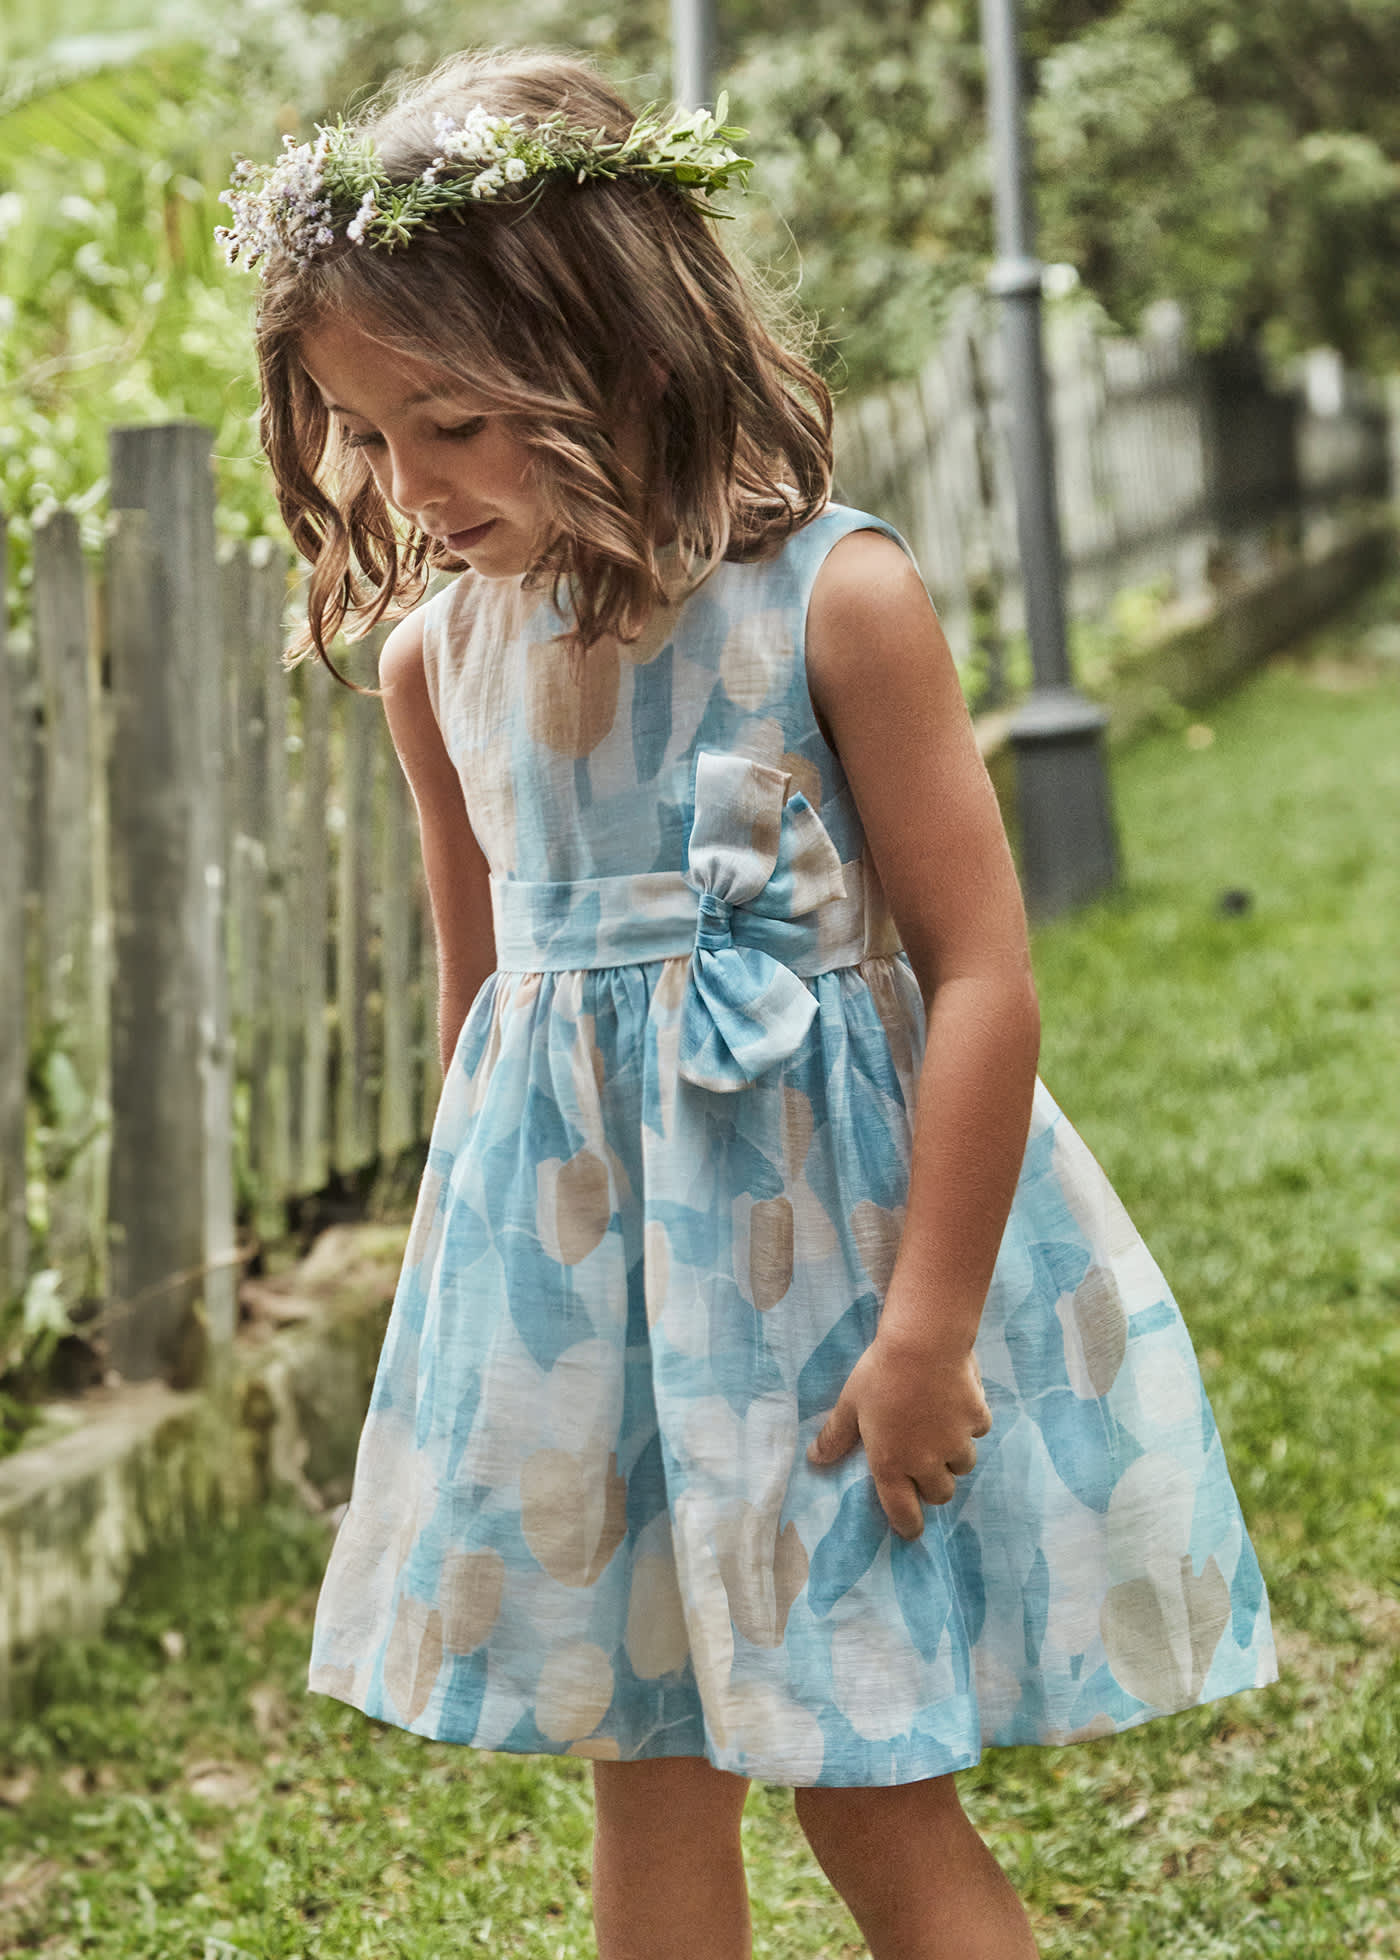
(459, 432)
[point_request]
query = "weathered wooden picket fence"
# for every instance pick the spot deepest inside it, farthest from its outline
(1170, 469)
(216, 971)
(217, 989)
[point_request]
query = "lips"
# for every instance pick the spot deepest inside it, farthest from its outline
(460, 541)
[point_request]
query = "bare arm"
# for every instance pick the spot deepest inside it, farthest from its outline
(883, 682)
(453, 862)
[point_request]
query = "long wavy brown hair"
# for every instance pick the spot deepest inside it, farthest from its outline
(577, 313)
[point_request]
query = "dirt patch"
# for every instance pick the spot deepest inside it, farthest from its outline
(349, 1266)
(230, 1784)
(1376, 1613)
(24, 1884)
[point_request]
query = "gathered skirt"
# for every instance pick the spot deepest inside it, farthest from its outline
(582, 1518)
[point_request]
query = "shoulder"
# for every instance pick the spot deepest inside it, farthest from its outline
(867, 572)
(410, 706)
(427, 644)
(401, 656)
(869, 619)
(851, 561)
(883, 681)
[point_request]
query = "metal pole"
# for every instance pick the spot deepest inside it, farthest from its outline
(1068, 849)
(693, 52)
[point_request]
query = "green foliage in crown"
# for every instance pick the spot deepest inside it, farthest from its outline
(337, 184)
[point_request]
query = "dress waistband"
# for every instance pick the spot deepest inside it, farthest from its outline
(657, 915)
(765, 902)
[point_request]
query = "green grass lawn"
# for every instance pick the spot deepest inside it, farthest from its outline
(181, 1795)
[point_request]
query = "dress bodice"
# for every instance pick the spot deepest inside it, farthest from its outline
(584, 774)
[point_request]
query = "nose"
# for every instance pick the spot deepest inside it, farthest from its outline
(416, 485)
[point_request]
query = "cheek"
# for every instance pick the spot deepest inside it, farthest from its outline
(376, 468)
(503, 458)
(525, 475)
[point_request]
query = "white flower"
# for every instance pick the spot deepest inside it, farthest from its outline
(478, 137)
(516, 170)
(368, 210)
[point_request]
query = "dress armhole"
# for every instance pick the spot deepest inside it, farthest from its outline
(838, 521)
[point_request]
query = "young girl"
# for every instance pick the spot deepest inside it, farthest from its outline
(775, 1386)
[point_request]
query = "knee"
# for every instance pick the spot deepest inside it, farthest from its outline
(644, 1800)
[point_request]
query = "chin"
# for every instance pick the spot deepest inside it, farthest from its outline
(502, 562)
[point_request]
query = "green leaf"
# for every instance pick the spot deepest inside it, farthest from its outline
(107, 107)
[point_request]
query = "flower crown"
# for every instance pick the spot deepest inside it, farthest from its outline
(337, 182)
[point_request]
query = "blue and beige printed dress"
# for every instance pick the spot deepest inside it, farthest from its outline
(662, 1202)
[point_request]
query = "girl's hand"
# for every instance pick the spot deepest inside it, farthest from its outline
(918, 1409)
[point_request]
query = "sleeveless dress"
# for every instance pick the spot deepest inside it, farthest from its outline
(662, 1201)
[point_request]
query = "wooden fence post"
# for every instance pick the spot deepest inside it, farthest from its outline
(311, 910)
(171, 1183)
(73, 913)
(354, 1135)
(270, 1124)
(14, 1045)
(242, 749)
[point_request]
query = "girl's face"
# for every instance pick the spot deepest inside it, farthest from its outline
(439, 455)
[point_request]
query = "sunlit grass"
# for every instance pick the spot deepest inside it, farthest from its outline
(181, 1795)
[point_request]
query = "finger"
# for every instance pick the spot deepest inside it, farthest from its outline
(837, 1437)
(984, 1421)
(902, 1505)
(938, 1486)
(964, 1461)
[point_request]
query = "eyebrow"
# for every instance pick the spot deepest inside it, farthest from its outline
(409, 401)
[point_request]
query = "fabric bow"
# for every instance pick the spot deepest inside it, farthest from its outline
(757, 862)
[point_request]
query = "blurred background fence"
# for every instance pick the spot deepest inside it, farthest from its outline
(217, 995)
(1184, 472)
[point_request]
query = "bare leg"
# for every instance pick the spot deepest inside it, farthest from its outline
(918, 1880)
(668, 1871)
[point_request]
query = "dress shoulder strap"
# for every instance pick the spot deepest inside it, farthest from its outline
(447, 617)
(806, 551)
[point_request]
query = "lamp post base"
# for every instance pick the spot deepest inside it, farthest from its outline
(1069, 853)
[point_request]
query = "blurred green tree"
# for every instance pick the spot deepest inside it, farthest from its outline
(1242, 159)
